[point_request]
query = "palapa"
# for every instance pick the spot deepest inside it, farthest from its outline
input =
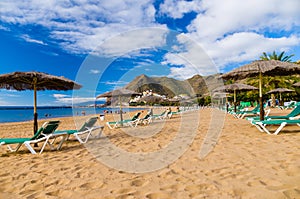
(280, 90)
(36, 81)
(297, 84)
(118, 93)
(233, 88)
(263, 67)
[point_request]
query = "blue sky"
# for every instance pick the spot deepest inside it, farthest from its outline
(105, 44)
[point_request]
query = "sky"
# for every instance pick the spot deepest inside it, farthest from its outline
(105, 44)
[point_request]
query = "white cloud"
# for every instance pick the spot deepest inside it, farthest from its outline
(4, 103)
(235, 31)
(247, 46)
(4, 28)
(230, 32)
(28, 39)
(67, 99)
(177, 8)
(10, 93)
(79, 26)
(60, 95)
(133, 41)
(115, 83)
(218, 19)
(192, 60)
(94, 71)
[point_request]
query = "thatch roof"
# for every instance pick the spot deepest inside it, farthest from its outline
(26, 80)
(266, 67)
(236, 86)
(280, 90)
(220, 94)
(297, 84)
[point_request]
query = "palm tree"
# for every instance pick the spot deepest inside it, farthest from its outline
(274, 56)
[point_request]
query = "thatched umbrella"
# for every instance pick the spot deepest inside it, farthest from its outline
(36, 81)
(233, 88)
(297, 84)
(263, 67)
(118, 93)
(220, 96)
(280, 90)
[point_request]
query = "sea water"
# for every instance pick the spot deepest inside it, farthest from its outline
(19, 114)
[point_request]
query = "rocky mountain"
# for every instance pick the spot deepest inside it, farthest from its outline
(196, 85)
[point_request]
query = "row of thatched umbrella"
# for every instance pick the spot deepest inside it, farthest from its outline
(262, 67)
(233, 88)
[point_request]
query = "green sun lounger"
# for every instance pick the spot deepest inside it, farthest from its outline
(290, 106)
(85, 132)
(158, 116)
(147, 119)
(42, 135)
(262, 125)
(163, 115)
(242, 114)
(129, 122)
(295, 112)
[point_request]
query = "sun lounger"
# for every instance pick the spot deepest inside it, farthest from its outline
(158, 116)
(261, 125)
(129, 122)
(163, 115)
(42, 135)
(83, 134)
(147, 119)
(242, 114)
(290, 106)
(294, 113)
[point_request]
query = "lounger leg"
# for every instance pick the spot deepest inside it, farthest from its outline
(264, 128)
(108, 125)
(242, 116)
(44, 145)
(79, 139)
(66, 137)
(14, 150)
(89, 133)
(27, 144)
(100, 133)
(280, 128)
(258, 127)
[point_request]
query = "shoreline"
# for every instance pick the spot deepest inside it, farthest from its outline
(29, 113)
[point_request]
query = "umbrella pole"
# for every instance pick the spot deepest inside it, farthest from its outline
(226, 104)
(234, 100)
(261, 106)
(280, 101)
(121, 115)
(35, 115)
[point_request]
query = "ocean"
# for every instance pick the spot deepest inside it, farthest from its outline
(20, 114)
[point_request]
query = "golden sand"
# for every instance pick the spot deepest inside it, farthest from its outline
(245, 163)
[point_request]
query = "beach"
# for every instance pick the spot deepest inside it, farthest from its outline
(243, 162)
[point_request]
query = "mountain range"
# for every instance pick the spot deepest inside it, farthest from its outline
(194, 86)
